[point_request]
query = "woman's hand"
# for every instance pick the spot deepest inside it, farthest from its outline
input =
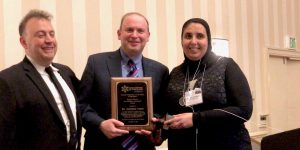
(153, 136)
(180, 121)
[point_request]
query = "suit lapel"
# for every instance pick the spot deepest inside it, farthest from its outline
(147, 68)
(36, 78)
(69, 83)
(114, 64)
(67, 79)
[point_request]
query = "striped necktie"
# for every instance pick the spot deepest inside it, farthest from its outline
(133, 71)
(130, 142)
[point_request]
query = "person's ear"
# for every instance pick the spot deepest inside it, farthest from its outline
(119, 33)
(148, 36)
(23, 42)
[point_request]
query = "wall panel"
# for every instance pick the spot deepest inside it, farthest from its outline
(1, 37)
(64, 32)
(92, 26)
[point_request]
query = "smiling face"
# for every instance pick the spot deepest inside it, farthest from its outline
(133, 34)
(194, 41)
(39, 41)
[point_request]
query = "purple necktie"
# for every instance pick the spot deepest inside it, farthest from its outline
(133, 71)
(130, 141)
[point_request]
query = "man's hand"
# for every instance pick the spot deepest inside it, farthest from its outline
(110, 128)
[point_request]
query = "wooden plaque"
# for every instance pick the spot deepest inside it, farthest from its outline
(132, 102)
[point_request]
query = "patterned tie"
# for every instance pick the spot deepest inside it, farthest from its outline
(72, 142)
(130, 142)
(133, 71)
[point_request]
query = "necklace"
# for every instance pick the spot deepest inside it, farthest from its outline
(193, 82)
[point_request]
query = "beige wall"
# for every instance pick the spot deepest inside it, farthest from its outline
(86, 27)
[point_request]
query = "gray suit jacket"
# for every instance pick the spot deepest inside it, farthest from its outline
(95, 95)
(29, 116)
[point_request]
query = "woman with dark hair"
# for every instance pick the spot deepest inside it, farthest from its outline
(208, 97)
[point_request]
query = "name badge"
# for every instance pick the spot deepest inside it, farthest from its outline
(193, 97)
(191, 84)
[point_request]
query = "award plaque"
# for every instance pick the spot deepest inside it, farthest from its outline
(132, 102)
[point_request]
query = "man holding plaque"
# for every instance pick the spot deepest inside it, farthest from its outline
(95, 88)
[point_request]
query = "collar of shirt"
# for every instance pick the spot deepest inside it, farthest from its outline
(137, 60)
(39, 68)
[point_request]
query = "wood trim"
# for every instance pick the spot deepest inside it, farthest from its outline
(289, 53)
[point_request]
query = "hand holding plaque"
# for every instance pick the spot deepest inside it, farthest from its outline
(132, 102)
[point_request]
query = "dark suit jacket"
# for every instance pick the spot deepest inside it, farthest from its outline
(29, 116)
(95, 95)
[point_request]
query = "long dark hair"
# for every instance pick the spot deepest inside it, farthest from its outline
(202, 22)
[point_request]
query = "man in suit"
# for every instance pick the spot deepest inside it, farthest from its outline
(33, 113)
(95, 86)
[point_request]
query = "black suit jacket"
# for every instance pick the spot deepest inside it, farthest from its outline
(95, 95)
(29, 116)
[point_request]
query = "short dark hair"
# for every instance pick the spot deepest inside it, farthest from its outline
(34, 13)
(133, 13)
(202, 22)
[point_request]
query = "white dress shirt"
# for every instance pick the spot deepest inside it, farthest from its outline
(56, 95)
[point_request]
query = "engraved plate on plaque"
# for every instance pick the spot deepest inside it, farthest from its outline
(132, 102)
